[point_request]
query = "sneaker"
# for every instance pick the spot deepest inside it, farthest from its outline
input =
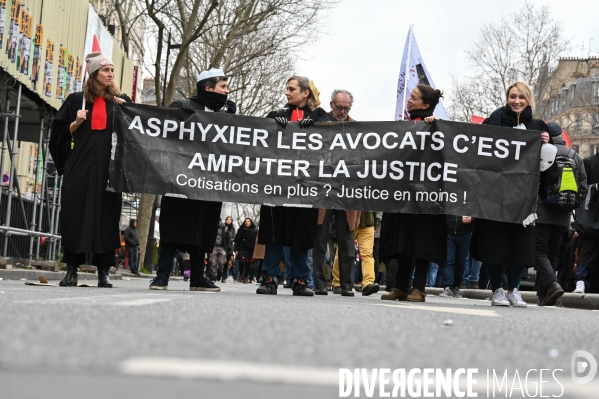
(463, 286)
(474, 285)
(456, 292)
(287, 284)
(159, 283)
(268, 286)
(515, 299)
(447, 292)
(300, 288)
(499, 298)
(203, 285)
(579, 287)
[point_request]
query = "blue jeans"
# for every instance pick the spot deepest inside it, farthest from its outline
(287, 259)
(458, 247)
(514, 275)
(582, 274)
(471, 271)
(431, 280)
(234, 271)
(298, 261)
(132, 254)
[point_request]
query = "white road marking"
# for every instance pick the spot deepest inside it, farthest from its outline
(110, 300)
(471, 312)
(230, 371)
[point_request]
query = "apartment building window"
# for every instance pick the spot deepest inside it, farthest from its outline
(578, 123)
(596, 92)
(572, 94)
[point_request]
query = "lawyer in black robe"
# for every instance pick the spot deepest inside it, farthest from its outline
(90, 215)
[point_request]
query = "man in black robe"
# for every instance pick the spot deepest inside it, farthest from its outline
(191, 225)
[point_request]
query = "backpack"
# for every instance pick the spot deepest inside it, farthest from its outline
(560, 185)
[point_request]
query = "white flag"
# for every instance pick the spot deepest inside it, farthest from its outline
(413, 72)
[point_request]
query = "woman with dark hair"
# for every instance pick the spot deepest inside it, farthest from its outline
(414, 239)
(245, 241)
(508, 245)
(286, 226)
(80, 145)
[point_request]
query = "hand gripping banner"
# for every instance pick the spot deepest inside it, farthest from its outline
(410, 167)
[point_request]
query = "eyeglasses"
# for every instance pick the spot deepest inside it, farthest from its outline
(346, 109)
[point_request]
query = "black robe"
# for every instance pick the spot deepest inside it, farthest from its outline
(188, 222)
(290, 227)
(90, 215)
(503, 243)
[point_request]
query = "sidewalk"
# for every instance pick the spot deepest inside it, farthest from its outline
(568, 300)
(20, 274)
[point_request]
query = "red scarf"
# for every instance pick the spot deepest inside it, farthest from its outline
(297, 115)
(99, 116)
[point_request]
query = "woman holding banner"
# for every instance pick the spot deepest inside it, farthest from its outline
(414, 239)
(80, 145)
(287, 229)
(502, 245)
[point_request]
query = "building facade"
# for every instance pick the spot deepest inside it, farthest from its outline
(571, 98)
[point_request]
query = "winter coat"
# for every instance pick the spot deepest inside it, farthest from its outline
(90, 215)
(547, 215)
(131, 237)
(456, 226)
(288, 226)
(502, 243)
(185, 221)
(226, 243)
(353, 217)
(245, 241)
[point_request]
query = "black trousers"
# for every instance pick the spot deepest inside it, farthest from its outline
(405, 266)
(346, 250)
(548, 241)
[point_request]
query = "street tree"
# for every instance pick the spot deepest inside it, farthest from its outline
(519, 47)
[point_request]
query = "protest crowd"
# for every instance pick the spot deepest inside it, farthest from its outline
(321, 251)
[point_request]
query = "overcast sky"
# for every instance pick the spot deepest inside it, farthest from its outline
(363, 44)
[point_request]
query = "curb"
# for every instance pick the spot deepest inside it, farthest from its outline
(568, 300)
(19, 274)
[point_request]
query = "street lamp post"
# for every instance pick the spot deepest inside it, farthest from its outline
(169, 46)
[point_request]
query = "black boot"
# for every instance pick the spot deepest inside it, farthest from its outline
(70, 280)
(103, 280)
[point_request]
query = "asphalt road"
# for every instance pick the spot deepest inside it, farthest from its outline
(129, 342)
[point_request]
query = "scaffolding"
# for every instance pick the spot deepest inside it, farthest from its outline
(31, 230)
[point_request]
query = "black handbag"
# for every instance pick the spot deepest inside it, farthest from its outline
(587, 215)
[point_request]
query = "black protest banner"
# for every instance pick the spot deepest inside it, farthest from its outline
(444, 167)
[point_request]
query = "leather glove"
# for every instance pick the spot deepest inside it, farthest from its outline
(231, 108)
(306, 123)
(188, 109)
(281, 120)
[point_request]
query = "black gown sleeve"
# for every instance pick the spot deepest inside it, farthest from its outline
(60, 137)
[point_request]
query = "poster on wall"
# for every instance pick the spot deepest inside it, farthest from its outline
(24, 45)
(13, 32)
(2, 20)
(37, 52)
(77, 75)
(48, 68)
(62, 58)
(70, 79)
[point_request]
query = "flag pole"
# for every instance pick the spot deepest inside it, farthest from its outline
(406, 74)
(82, 84)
